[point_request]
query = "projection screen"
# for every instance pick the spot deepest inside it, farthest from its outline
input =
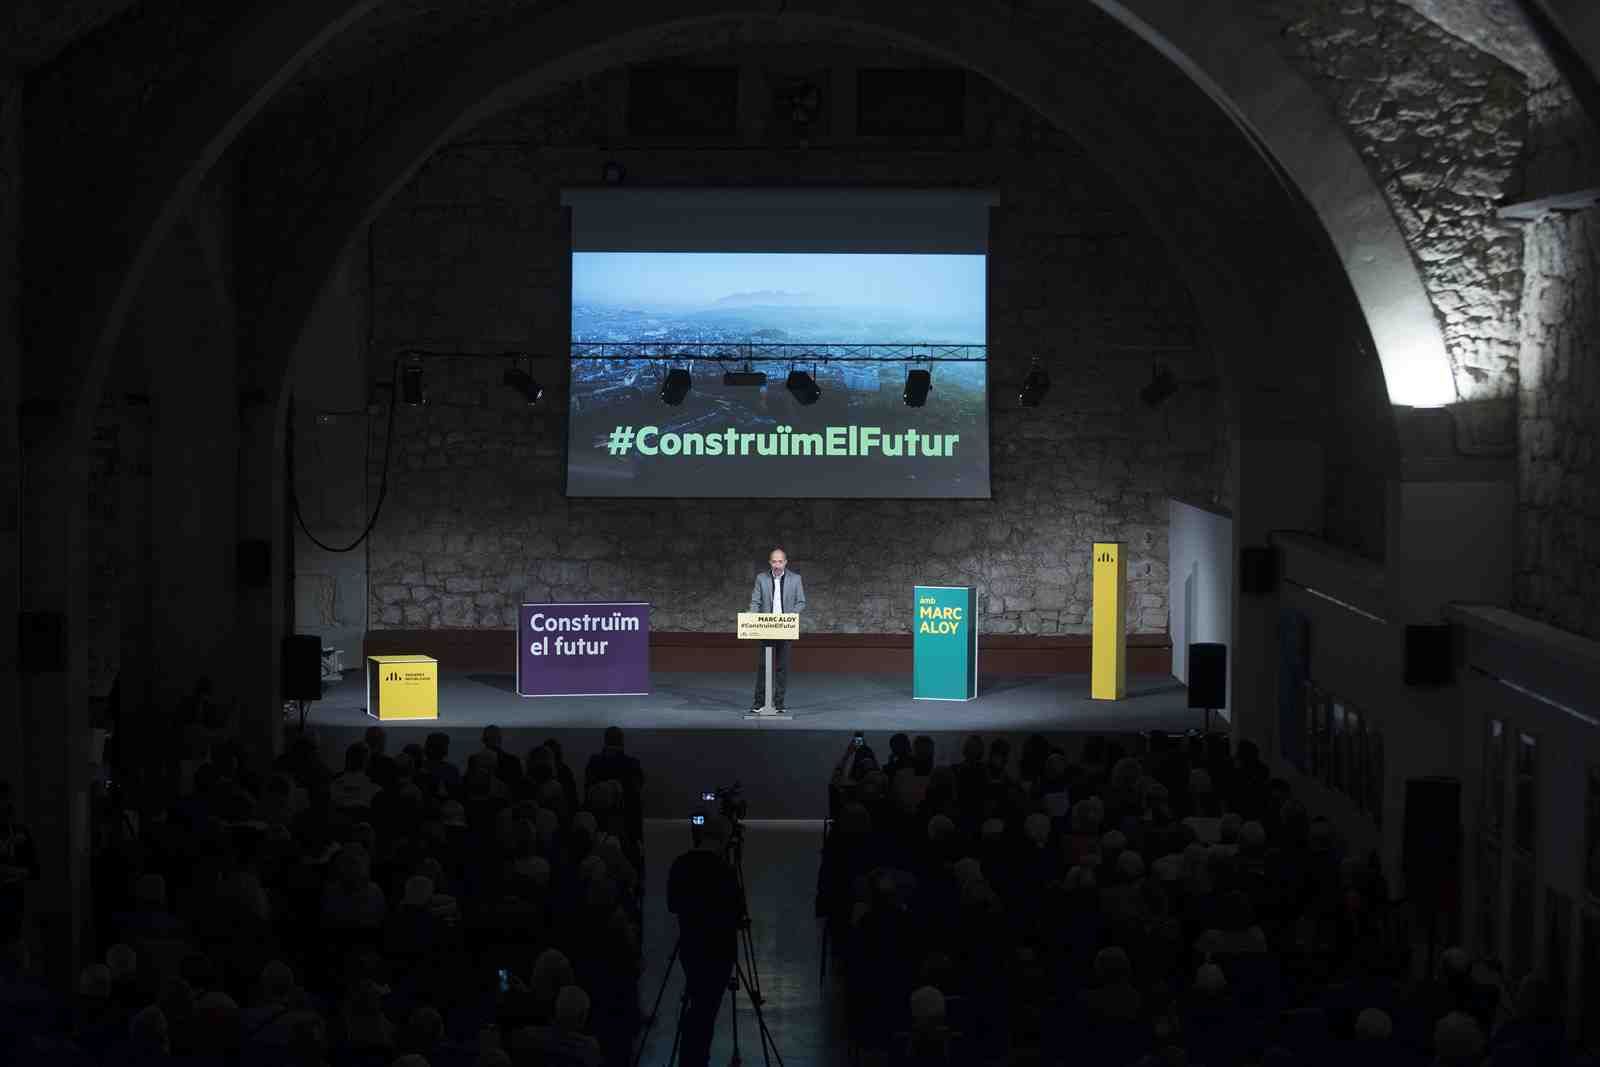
(683, 299)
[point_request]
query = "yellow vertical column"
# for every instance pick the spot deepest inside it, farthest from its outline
(1108, 678)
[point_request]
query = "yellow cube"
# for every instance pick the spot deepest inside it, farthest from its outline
(402, 687)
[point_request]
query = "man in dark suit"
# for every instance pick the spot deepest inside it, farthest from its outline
(777, 591)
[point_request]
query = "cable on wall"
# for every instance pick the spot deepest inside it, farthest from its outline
(388, 444)
(383, 487)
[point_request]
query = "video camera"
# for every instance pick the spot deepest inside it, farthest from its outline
(729, 800)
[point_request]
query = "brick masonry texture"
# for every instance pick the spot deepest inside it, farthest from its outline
(1558, 564)
(1442, 127)
(473, 257)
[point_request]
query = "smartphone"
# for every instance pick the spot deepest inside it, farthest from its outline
(505, 980)
(697, 820)
(859, 739)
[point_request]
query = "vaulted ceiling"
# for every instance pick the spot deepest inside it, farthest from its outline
(35, 31)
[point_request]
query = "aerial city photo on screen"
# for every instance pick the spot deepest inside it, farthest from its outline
(856, 323)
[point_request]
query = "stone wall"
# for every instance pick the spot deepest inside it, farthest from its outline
(1442, 127)
(1558, 561)
(1563, 144)
(473, 257)
(333, 442)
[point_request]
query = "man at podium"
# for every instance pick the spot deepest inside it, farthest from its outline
(777, 590)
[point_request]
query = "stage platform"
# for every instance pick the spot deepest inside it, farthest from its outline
(691, 732)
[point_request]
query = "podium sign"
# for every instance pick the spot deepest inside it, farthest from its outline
(402, 687)
(754, 626)
(944, 643)
(1108, 677)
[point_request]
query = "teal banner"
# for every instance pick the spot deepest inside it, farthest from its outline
(944, 643)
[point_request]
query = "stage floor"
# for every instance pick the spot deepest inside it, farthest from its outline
(691, 732)
(873, 702)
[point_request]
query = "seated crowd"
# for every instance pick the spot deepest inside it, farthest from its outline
(1182, 908)
(402, 910)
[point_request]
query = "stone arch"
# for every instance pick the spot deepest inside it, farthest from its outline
(189, 126)
(1270, 294)
(1226, 53)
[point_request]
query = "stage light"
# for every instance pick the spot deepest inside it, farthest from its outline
(746, 378)
(411, 392)
(1162, 386)
(804, 387)
(918, 383)
(1034, 386)
(524, 382)
(675, 387)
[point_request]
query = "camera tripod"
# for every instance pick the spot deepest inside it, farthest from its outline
(749, 977)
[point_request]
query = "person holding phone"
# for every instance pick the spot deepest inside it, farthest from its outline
(856, 763)
(777, 591)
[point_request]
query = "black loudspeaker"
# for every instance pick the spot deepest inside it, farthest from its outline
(1428, 655)
(1258, 570)
(41, 642)
(1431, 856)
(302, 667)
(1208, 676)
(253, 563)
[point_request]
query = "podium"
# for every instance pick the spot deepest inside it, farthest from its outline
(402, 687)
(755, 626)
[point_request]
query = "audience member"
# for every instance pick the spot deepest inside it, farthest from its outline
(1457, 1041)
(19, 864)
(505, 766)
(613, 764)
(899, 755)
(974, 914)
(444, 777)
(380, 765)
(564, 775)
(148, 1038)
(352, 790)
(563, 1041)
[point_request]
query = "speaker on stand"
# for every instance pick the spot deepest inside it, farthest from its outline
(1208, 678)
(302, 671)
